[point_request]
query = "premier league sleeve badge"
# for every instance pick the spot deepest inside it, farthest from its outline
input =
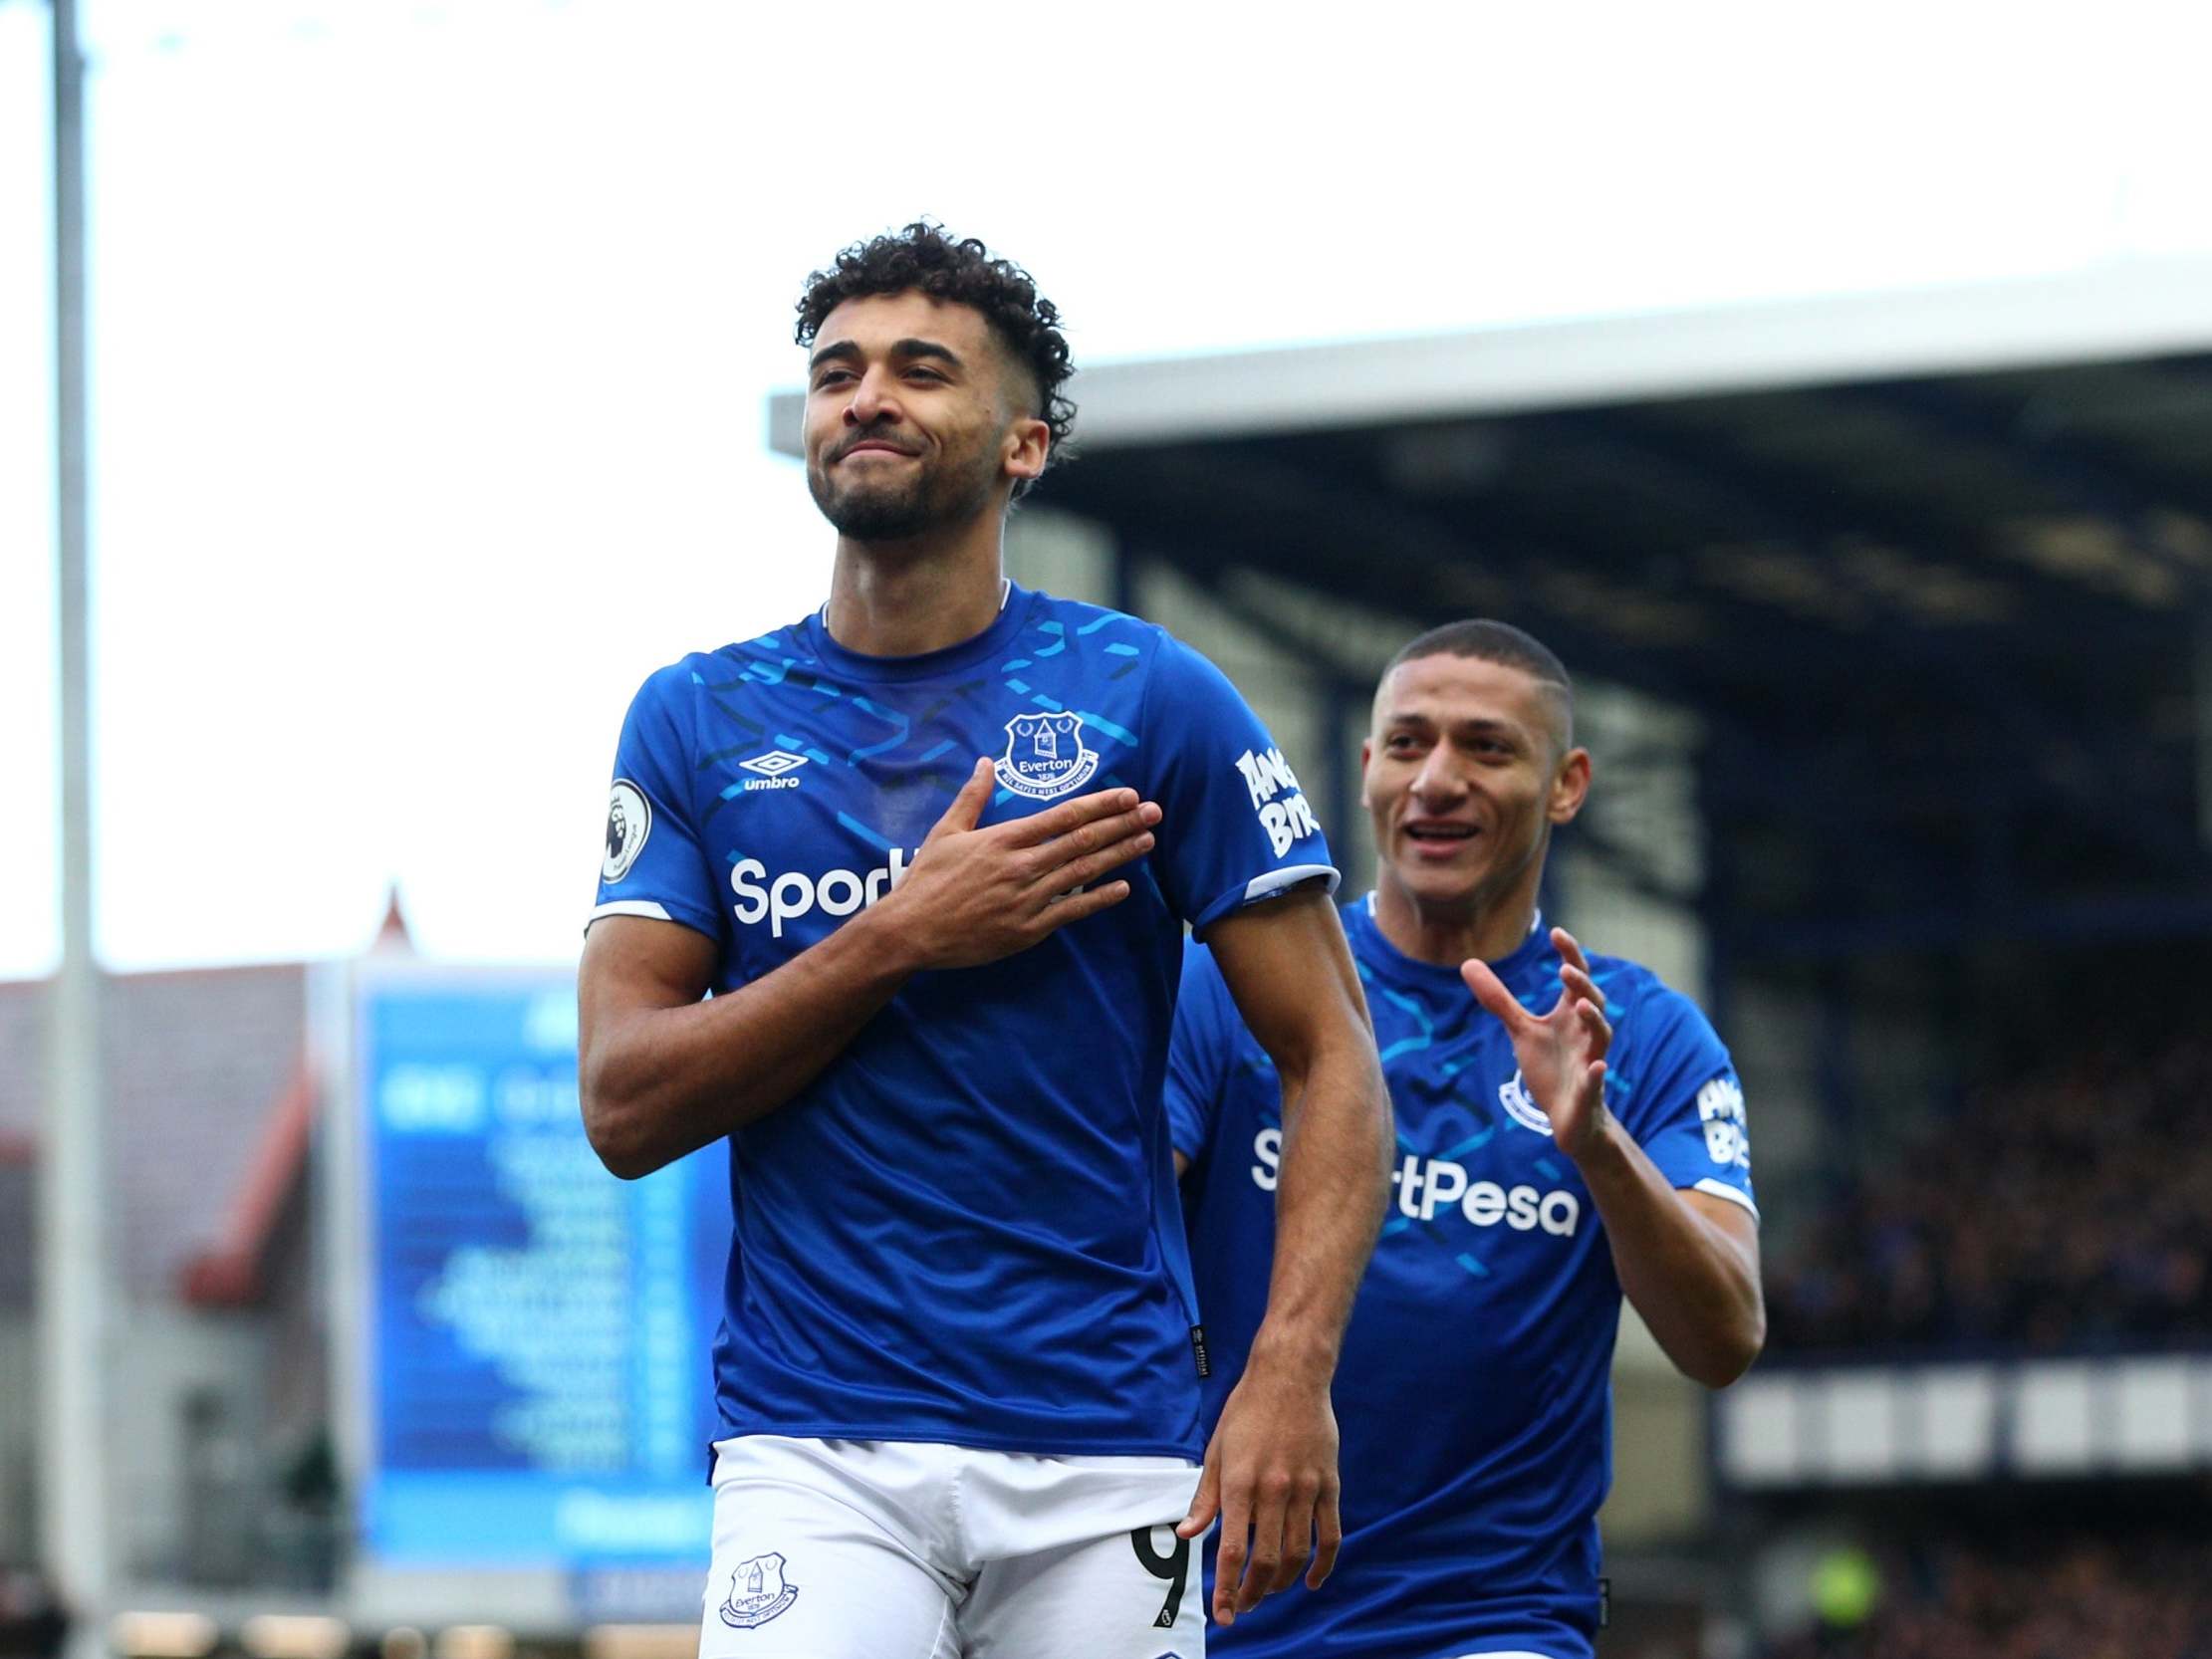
(628, 823)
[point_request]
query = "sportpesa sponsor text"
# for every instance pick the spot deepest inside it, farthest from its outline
(837, 892)
(1428, 1185)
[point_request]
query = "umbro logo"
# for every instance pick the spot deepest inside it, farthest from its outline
(772, 767)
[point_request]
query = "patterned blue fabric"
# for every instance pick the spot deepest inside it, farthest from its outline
(966, 1229)
(1473, 1394)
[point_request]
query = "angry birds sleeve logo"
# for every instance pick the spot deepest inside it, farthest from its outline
(1045, 756)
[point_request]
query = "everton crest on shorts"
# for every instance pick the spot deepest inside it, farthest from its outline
(757, 1592)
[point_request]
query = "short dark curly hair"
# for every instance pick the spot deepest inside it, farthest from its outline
(923, 258)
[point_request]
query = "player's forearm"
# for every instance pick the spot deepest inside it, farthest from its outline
(1333, 1189)
(661, 1082)
(1696, 1289)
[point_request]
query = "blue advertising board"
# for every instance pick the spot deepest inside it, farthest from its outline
(538, 1390)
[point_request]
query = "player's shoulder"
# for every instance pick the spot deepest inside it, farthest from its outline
(676, 682)
(1646, 1010)
(761, 658)
(1625, 980)
(1095, 629)
(761, 661)
(1101, 629)
(1128, 663)
(1634, 991)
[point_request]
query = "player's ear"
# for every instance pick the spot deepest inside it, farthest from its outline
(1570, 786)
(1026, 443)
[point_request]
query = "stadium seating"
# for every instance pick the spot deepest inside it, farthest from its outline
(2060, 1210)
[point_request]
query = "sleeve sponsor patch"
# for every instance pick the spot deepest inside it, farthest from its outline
(1720, 1108)
(630, 820)
(1288, 819)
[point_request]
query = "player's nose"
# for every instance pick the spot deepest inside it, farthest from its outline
(1438, 780)
(872, 401)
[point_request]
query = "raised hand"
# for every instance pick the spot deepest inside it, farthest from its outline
(1563, 1053)
(975, 895)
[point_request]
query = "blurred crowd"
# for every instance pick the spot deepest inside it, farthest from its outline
(2064, 1208)
(2027, 1597)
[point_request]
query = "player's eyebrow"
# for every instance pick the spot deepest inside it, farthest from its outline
(927, 348)
(847, 351)
(1479, 725)
(1471, 723)
(1488, 725)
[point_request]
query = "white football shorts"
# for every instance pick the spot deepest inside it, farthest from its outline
(899, 1549)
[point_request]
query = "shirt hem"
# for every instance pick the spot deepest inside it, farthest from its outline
(1022, 1447)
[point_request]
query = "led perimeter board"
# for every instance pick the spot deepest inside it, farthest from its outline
(529, 1377)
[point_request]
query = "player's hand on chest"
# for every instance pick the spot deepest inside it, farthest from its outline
(995, 873)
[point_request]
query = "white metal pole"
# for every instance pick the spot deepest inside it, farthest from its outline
(73, 1256)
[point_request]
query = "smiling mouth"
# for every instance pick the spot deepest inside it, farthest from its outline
(874, 449)
(1442, 833)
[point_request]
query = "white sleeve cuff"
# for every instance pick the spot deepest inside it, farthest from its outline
(1281, 880)
(628, 907)
(1734, 1195)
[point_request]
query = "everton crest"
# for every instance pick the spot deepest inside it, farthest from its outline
(757, 1592)
(1045, 756)
(1522, 1106)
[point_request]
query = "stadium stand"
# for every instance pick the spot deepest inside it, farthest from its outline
(2059, 1208)
(2028, 1595)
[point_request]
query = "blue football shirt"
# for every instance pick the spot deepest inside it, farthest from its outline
(1473, 1392)
(966, 1229)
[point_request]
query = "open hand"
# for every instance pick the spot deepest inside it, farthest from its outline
(1563, 1053)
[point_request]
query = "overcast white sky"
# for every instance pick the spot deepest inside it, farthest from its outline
(432, 340)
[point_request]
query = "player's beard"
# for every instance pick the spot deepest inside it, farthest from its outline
(954, 490)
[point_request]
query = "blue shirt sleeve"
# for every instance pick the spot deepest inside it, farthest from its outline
(1687, 1106)
(653, 865)
(1234, 825)
(1199, 1053)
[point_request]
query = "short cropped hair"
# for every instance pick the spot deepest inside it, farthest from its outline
(922, 259)
(1503, 643)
